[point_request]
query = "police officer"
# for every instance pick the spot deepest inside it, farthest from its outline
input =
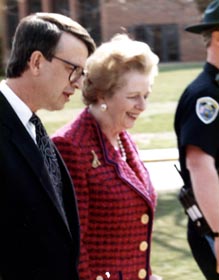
(197, 130)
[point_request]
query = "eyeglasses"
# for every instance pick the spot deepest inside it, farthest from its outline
(76, 73)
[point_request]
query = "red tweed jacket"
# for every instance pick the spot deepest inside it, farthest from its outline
(116, 202)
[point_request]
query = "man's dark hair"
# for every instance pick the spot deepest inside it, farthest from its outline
(42, 31)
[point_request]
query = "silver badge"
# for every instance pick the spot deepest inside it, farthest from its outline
(207, 109)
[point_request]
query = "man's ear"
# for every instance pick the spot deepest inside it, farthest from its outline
(215, 36)
(35, 61)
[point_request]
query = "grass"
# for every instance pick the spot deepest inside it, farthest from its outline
(172, 79)
(154, 128)
(160, 120)
(171, 257)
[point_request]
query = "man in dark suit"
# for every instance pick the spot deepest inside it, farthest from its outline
(39, 235)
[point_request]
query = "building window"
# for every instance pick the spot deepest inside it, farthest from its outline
(89, 17)
(163, 39)
(61, 6)
(34, 6)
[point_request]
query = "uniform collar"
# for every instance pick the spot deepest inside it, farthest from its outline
(213, 70)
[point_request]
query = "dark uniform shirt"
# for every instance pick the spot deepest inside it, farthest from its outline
(197, 117)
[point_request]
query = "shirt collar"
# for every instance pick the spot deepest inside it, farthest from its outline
(21, 109)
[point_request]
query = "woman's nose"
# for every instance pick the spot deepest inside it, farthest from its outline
(141, 105)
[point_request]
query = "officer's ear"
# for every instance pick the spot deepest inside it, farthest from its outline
(215, 36)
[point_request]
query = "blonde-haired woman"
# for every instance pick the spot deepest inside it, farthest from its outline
(115, 196)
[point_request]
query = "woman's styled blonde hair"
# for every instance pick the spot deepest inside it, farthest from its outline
(111, 60)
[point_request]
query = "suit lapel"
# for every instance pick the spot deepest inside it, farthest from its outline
(133, 172)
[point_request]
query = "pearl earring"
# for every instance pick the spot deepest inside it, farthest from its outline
(103, 107)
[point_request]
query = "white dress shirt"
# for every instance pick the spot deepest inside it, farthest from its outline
(21, 109)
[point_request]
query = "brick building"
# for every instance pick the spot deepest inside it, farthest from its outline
(160, 23)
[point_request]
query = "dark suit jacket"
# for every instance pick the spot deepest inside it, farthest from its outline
(35, 242)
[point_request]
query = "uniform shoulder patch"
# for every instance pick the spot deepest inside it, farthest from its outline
(207, 109)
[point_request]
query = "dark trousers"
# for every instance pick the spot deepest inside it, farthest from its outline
(202, 253)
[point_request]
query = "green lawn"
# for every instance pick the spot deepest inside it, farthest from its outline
(171, 256)
(154, 128)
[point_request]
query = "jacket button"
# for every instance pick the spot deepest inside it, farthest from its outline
(144, 219)
(99, 277)
(143, 246)
(142, 273)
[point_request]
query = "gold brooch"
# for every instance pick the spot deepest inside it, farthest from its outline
(95, 162)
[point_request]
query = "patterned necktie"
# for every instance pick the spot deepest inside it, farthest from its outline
(45, 146)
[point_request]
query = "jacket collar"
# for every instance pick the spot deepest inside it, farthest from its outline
(133, 172)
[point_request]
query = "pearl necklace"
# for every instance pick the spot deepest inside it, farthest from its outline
(122, 150)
